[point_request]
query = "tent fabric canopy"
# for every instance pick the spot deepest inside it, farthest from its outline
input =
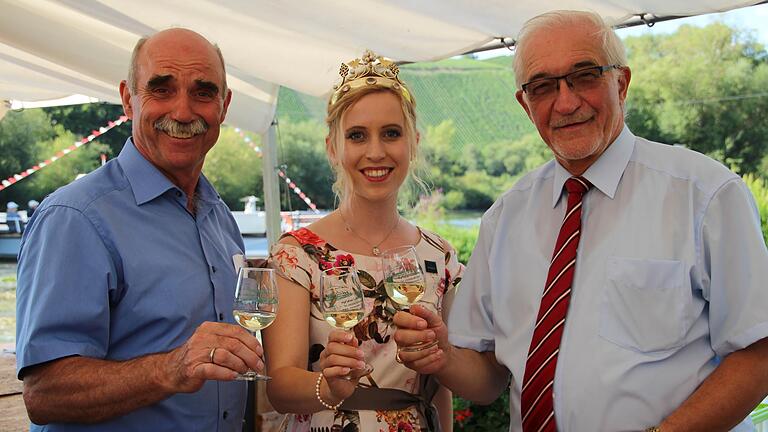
(55, 48)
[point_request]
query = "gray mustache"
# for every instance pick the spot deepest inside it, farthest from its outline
(575, 118)
(181, 130)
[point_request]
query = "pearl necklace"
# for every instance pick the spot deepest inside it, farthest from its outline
(374, 247)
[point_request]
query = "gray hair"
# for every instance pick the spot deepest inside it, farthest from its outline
(133, 68)
(613, 48)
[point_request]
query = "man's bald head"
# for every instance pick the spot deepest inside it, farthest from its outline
(162, 37)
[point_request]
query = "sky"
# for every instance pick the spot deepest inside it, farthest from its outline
(749, 18)
(753, 18)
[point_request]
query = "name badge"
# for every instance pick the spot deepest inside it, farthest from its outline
(430, 266)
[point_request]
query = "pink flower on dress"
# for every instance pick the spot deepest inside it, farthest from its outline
(302, 418)
(443, 284)
(285, 259)
(325, 265)
(344, 261)
(305, 236)
(404, 427)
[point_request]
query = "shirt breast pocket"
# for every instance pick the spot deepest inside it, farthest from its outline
(644, 302)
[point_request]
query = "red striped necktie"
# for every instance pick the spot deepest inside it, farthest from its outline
(537, 404)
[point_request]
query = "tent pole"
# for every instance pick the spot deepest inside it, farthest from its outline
(271, 185)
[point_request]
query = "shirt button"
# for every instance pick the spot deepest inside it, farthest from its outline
(178, 193)
(225, 415)
(221, 316)
(213, 269)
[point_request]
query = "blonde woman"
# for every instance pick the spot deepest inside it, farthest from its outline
(372, 145)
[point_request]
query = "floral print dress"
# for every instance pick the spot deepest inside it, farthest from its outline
(303, 265)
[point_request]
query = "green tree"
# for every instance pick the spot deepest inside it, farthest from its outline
(84, 118)
(21, 133)
(704, 88)
(301, 155)
(475, 177)
(439, 161)
(513, 157)
(66, 169)
(759, 189)
(440, 151)
(234, 168)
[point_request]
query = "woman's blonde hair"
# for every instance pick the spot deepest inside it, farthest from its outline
(342, 187)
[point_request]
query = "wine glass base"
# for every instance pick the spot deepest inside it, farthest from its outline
(252, 376)
(359, 373)
(419, 346)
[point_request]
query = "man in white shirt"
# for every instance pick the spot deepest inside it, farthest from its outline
(663, 323)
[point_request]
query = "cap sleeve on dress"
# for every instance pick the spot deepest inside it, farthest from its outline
(293, 263)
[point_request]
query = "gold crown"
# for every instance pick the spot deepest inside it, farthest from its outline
(368, 70)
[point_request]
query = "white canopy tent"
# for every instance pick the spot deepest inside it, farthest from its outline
(52, 49)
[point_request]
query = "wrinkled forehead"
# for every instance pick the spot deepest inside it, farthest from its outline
(189, 59)
(557, 50)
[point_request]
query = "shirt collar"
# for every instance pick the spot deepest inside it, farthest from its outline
(148, 182)
(605, 173)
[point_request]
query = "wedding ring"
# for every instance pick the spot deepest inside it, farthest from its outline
(211, 354)
(397, 357)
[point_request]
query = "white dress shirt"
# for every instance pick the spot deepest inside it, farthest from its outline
(670, 277)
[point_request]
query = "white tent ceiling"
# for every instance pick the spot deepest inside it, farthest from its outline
(54, 48)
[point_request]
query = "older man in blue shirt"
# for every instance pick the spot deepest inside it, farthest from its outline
(620, 286)
(126, 276)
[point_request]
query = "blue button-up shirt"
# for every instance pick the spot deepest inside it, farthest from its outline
(670, 277)
(113, 266)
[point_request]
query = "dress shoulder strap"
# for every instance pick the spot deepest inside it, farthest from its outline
(434, 240)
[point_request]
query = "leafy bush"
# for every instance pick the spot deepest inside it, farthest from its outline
(469, 417)
(429, 214)
(462, 239)
(759, 189)
(234, 168)
(455, 200)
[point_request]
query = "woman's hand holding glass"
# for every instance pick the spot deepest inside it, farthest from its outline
(342, 364)
(342, 305)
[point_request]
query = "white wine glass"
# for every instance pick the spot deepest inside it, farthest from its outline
(342, 304)
(255, 306)
(405, 282)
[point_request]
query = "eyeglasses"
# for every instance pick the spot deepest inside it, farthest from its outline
(579, 81)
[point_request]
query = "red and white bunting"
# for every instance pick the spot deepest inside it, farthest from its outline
(280, 172)
(61, 153)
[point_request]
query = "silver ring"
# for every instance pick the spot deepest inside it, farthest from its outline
(397, 356)
(211, 354)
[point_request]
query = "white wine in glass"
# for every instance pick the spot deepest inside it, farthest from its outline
(255, 306)
(405, 293)
(404, 281)
(343, 320)
(254, 321)
(342, 304)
